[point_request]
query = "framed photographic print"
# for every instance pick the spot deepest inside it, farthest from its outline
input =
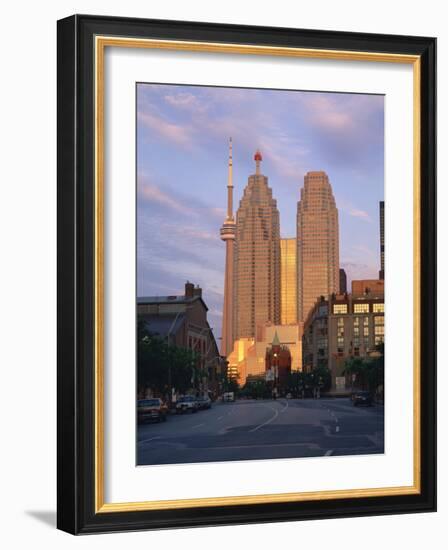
(246, 274)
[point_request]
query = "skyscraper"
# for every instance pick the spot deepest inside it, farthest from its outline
(228, 231)
(257, 257)
(342, 280)
(381, 274)
(288, 281)
(317, 242)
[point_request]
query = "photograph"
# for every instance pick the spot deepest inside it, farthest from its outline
(260, 320)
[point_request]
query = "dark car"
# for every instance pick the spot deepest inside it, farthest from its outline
(153, 409)
(204, 402)
(362, 398)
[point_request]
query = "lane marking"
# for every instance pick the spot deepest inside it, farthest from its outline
(267, 421)
(329, 452)
(220, 417)
(148, 440)
(197, 426)
(337, 429)
(285, 407)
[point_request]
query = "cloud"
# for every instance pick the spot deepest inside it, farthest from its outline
(344, 129)
(185, 100)
(352, 210)
(326, 112)
(358, 270)
(217, 113)
(181, 135)
(153, 193)
(185, 205)
(362, 214)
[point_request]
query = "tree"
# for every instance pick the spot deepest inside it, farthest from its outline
(369, 371)
(357, 366)
(296, 383)
(162, 367)
(322, 377)
(256, 388)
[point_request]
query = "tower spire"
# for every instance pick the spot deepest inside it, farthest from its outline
(228, 232)
(257, 158)
(230, 184)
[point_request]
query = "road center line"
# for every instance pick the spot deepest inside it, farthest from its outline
(267, 421)
(220, 417)
(337, 429)
(329, 452)
(197, 426)
(285, 407)
(148, 440)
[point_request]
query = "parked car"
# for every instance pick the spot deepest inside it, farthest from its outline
(153, 409)
(228, 396)
(204, 402)
(361, 398)
(187, 403)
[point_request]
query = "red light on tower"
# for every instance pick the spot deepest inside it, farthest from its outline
(257, 158)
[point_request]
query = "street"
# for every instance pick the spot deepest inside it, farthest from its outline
(263, 429)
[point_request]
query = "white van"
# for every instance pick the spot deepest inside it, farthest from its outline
(228, 396)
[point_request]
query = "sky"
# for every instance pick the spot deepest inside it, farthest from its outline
(182, 159)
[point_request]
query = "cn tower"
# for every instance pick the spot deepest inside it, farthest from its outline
(228, 232)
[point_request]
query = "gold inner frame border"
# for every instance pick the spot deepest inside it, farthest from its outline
(101, 42)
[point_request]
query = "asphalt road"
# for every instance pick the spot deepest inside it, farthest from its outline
(249, 430)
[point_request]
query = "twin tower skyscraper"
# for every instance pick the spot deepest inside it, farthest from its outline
(252, 283)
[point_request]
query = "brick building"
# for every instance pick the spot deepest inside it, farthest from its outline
(345, 325)
(182, 321)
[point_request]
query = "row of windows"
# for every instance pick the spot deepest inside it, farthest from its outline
(341, 309)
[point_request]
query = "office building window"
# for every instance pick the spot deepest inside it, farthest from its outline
(361, 308)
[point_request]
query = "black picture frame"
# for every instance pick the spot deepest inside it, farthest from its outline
(76, 286)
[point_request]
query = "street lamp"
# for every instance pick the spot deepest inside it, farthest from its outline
(275, 365)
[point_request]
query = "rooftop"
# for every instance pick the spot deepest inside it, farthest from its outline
(166, 299)
(163, 325)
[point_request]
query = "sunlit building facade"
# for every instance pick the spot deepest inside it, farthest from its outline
(343, 326)
(288, 283)
(257, 257)
(249, 354)
(317, 242)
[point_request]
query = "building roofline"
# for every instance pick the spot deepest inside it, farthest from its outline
(158, 300)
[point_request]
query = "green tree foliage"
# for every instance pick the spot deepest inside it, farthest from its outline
(256, 388)
(162, 366)
(320, 377)
(229, 384)
(369, 371)
(296, 383)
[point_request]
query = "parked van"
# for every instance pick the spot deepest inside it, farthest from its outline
(228, 396)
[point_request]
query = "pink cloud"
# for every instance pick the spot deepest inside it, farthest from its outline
(185, 100)
(327, 113)
(168, 130)
(152, 193)
(356, 271)
(362, 214)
